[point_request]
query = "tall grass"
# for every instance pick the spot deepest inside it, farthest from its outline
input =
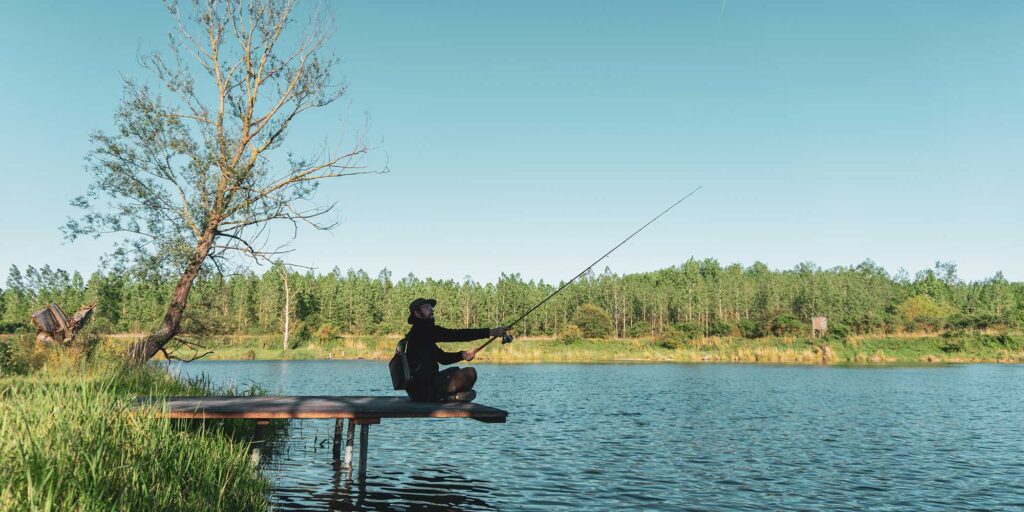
(70, 440)
(947, 348)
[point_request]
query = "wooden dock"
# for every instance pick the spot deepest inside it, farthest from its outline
(358, 410)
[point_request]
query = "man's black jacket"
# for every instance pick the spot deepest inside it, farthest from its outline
(424, 354)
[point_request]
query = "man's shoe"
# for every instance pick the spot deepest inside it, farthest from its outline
(462, 396)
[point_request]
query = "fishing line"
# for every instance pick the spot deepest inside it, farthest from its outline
(508, 339)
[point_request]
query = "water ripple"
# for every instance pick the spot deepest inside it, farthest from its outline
(666, 437)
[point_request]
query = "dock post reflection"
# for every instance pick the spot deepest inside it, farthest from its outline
(258, 440)
(350, 439)
(341, 489)
(336, 444)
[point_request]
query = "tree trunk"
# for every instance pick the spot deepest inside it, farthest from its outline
(144, 350)
(287, 307)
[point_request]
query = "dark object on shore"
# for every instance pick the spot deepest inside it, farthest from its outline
(54, 326)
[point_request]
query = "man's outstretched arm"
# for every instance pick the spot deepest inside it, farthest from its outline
(444, 334)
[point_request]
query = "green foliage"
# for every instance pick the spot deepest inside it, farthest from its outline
(978, 321)
(1010, 342)
(868, 322)
(665, 303)
(981, 343)
(570, 334)
(670, 343)
(922, 311)
(751, 329)
(13, 327)
(593, 321)
(1013, 318)
(13, 357)
(638, 330)
(68, 442)
(326, 332)
(103, 325)
(837, 332)
(719, 328)
(787, 325)
(958, 344)
(685, 331)
(304, 330)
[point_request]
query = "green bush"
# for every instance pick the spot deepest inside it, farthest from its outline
(326, 332)
(972, 321)
(719, 328)
(13, 327)
(787, 325)
(593, 321)
(102, 325)
(687, 331)
(868, 323)
(751, 329)
(13, 360)
(955, 345)
(837, 332)
(638, 330)
(923, 312)
(570, 334)
(302, 330)
(980, 342)
(1013, 318)
(669, 343)
(1007, 341)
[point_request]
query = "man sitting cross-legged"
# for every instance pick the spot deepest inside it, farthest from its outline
(428, 384)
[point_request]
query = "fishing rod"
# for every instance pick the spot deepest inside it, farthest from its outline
(507, 338)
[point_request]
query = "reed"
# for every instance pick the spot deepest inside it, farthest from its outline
(946, 348)
(69, 440)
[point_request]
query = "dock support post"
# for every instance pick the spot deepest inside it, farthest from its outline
(336, 446)
(364, 437)
(257, 440)
(350, 439)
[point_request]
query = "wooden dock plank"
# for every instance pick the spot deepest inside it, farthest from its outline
(322, 407)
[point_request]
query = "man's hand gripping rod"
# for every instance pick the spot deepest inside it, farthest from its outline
(507, 338)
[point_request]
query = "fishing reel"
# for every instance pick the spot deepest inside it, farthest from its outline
(506, 338)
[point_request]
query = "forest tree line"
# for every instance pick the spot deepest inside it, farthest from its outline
(698, 297)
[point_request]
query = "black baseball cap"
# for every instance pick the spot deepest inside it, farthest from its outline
(414, 305)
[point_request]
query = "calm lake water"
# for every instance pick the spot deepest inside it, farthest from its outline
(667, 437)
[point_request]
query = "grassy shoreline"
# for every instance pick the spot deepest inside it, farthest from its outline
(915, 348)
(69, 440)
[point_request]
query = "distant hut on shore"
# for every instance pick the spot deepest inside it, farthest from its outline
(819, 325)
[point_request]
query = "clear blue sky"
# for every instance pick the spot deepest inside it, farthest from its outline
(532, 136)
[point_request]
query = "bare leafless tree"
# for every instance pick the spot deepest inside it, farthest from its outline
(194, 177)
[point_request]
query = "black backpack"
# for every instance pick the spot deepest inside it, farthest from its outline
(399, 366)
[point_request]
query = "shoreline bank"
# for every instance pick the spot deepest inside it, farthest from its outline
(915, 349)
